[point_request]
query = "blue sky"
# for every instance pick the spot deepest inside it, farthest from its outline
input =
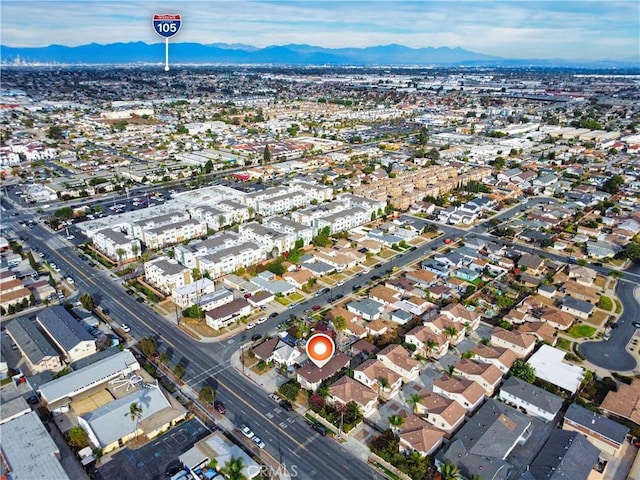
(515, 29)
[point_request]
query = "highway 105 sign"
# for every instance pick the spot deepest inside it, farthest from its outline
(166, 25)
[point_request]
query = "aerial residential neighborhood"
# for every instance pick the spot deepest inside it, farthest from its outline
(466, 238)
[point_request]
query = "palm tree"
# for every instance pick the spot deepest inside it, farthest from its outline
(383, 383)
(120, 253)
(395, 422)
(431, 345)
(135, 413)
(451, 332)
(135, 250)
(449, 471)
(414, 400)
(452, 369)
(232, 469)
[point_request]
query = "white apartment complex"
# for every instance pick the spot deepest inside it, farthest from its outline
(165, 275)
(116, 245)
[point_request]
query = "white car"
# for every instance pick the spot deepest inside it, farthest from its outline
(247, 432)
(250, 326)
(340, 283)
(258, 441)
(70, 280)
(125, 328)
(261, 320)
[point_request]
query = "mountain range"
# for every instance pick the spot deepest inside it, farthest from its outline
(292, 54)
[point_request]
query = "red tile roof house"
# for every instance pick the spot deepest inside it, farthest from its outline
(501, 357)
(310, 376)
(440, 411)
(374, 374)
(416, 435)
(396, 358)
(346, 390)
(429, 343)
(444, 326)
(467, 393)
(521, 344)
(488, 376)
(458, 313)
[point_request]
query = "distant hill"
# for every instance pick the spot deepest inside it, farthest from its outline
(220, 53)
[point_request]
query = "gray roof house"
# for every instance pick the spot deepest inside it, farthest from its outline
(534, 400)
(484, 443)
(577, 307)
(367, 308)
(38, 351)
(66, 333)
(566, 455)
(601, 431)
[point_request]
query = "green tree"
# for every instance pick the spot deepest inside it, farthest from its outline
(266, 155)
(632, 251)
(449, 471)
(232, 469)
(77, 437)
(87, 302)
(196, 274)
(289, 390)
(135, 249)
(339, 323)
(179, 371)
(54, 132)
(32, 261)
(207, 394)
(148, 346)
(395, 422)
(414, 400)
(120, 253)
(612, 184)
(64, 213)
(523, 371)
(135, 414)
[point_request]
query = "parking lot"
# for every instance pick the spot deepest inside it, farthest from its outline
(150, 461)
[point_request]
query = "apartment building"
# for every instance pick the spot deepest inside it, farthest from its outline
(235, 211)
(343, 220)
(66, 333)
(173, 233)
(288, 226)
(309, 216)
(230, 259)
(135, 229)
(214, 217)
(187, 254)
(270, 239)
(116, 245)
(189, 294)
(165, 274)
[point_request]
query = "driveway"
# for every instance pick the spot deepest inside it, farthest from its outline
(612, 354)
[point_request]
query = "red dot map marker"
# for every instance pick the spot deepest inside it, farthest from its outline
(320, 348)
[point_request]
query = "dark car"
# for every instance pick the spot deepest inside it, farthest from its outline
(286, 405)
(273, 314)
(173, 468)
(140, 300)
(219, 406)
(413, 249)
(339, 296)
(256, 337)
(375, 277)
(129, 292)
(106, 311)
(319, 428)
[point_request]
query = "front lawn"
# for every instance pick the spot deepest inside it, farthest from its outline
(581, 331)
(564, 344)
(605, 303)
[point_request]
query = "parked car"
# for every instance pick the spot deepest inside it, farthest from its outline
(319, 428)
(130, 292)
(219, 406)
(140, 300)
(273, 314)
(250, 325)
(285, 405)
(261, 320)
(247, 432)
(256, 337)
(125, 328)
(258, 441)
(174, 467)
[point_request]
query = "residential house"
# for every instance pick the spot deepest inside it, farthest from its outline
(602, 432)
(564, 455)
(542, 331)
(467, 393)
(38, 353)
(396, 358)
(624, 403)
(532, 263)
(310, 376)
(521, 344)
(367, 308)
(442, 325)
(437, 268)
(484, 443)
(583, 275)
(442, 412)
(550, 366)
(557, 318)
(269, 282)
(346, 390)
(226, 314)
(577, 290)
(165, 275)
(460, 314)
(298, 278)
(384, 295)
(501, 357)
(416, 435)
(576, 307)
(189, 294)
(533, 400)
(429, 343)
(374, 374)
(423, 278)
(488, 376)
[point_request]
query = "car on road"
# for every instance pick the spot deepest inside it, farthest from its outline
(413, 249)
(140, 300)
(340, 283)
(70, 280)
(250, 325)
(256, 337)
(125, 328)
(356, 287)
(447, 241)
(258, 441)
(292, 306)
(219, 406)
(339, 296)
(285, 405)
(636, 324)
(319, 428)
(274, 396)
(261, 320)
(315, 308)
(273, 314)
(106, 311)
(247, 432)
(130, 292)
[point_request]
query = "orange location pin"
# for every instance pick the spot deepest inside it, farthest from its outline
(320, 349)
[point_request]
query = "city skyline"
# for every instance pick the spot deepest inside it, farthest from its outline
(537, 30)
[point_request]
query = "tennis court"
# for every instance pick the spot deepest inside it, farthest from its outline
(93, 401)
